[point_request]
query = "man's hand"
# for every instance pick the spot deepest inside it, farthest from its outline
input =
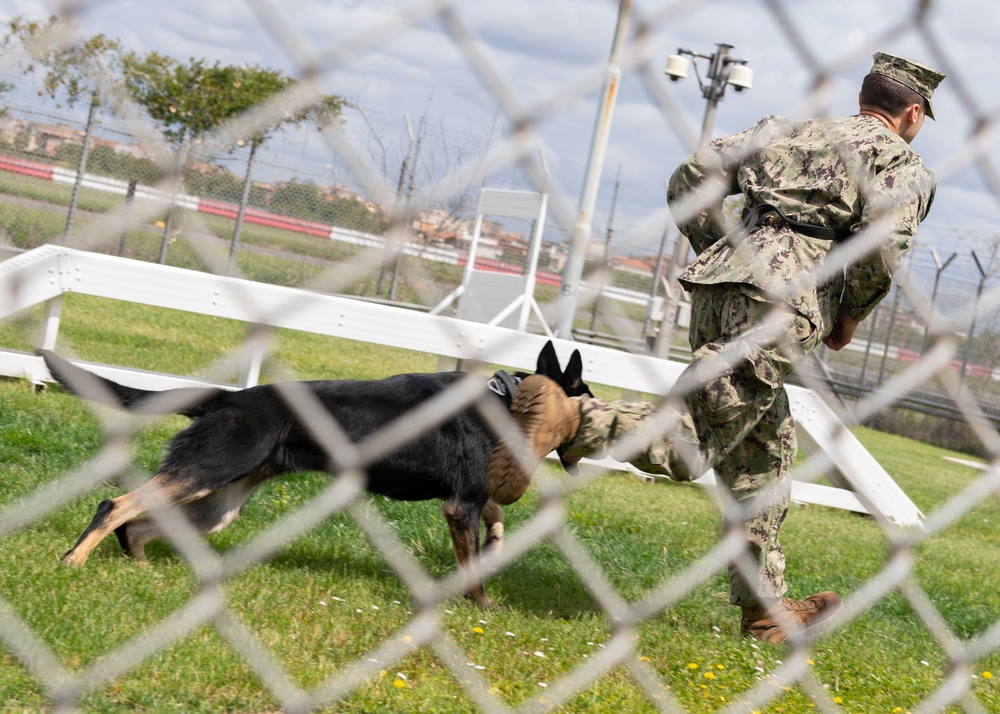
(842, 333)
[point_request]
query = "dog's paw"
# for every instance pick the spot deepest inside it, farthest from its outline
(73, 560)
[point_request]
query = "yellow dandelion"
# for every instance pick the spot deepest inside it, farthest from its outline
(478, 630)
(720, 666)
(692, 665)
(809, 661)
(709, 675)
(896, 710)
(644, 659)
(398, 683)
(838, 700)
(987, 675)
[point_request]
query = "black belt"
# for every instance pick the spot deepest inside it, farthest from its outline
(755, 217)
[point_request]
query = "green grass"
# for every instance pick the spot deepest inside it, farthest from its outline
(313, 605)
(57, 193)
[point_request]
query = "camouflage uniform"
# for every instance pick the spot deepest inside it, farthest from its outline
(732, 413)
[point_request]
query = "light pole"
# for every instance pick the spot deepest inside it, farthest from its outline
(723, 70)
(580, 239)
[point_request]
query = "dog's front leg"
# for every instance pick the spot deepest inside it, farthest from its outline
(492, 516)
(463, 525)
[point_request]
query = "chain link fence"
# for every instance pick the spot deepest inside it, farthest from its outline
(382, 211)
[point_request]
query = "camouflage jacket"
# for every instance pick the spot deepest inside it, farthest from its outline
(840, 173)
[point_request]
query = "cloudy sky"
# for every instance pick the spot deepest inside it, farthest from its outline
(395, 59)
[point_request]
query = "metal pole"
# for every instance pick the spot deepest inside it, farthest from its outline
(873, 323)
(657, 270)
(244, 199)
(174, 189)
(126, 210)
(401, 252)
(82, 167)
(713, 94)
(573, 273)
(678, 262)
(607, 249)
(967, 350)
(390, 242)
(937, 282)
(888, 334)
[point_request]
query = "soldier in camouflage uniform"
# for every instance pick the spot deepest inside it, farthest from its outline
(764, 295)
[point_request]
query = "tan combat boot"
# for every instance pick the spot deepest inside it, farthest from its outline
(767, 624)
(547, 418)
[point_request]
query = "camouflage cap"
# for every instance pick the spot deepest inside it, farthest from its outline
(919, 77)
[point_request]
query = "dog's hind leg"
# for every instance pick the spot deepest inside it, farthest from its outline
(159, 491)
(463, 524)
(208, 515)
(492, 516)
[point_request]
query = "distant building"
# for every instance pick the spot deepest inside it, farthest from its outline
(636, 266)
(48, 139)
(552, 257)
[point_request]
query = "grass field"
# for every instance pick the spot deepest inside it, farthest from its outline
(328, 598)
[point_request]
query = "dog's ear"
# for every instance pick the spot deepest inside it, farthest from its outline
(548, 362)
(572, 379)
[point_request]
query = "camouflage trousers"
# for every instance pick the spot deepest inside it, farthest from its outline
(728, 411)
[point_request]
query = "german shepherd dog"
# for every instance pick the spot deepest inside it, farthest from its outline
(239, 439)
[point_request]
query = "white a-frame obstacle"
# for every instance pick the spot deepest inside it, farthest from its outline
(501, 298)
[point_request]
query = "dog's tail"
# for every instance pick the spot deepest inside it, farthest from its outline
(189, 401)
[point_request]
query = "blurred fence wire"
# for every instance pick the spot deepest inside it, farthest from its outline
(384, 212)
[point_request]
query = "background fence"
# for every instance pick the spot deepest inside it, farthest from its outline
(380, 209)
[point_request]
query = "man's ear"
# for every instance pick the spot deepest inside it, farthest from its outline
(913, 112)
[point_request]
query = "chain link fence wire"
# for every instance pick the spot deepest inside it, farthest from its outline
(380, 210)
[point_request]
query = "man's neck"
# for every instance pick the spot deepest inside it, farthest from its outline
(890, 123)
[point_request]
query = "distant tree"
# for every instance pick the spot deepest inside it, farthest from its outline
(72, 68)
(105, 161)
(190, 101)
(221, 185)
(352, 213)
(305, 200)
(301, 199)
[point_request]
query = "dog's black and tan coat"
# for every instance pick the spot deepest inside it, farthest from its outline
(239, 439)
